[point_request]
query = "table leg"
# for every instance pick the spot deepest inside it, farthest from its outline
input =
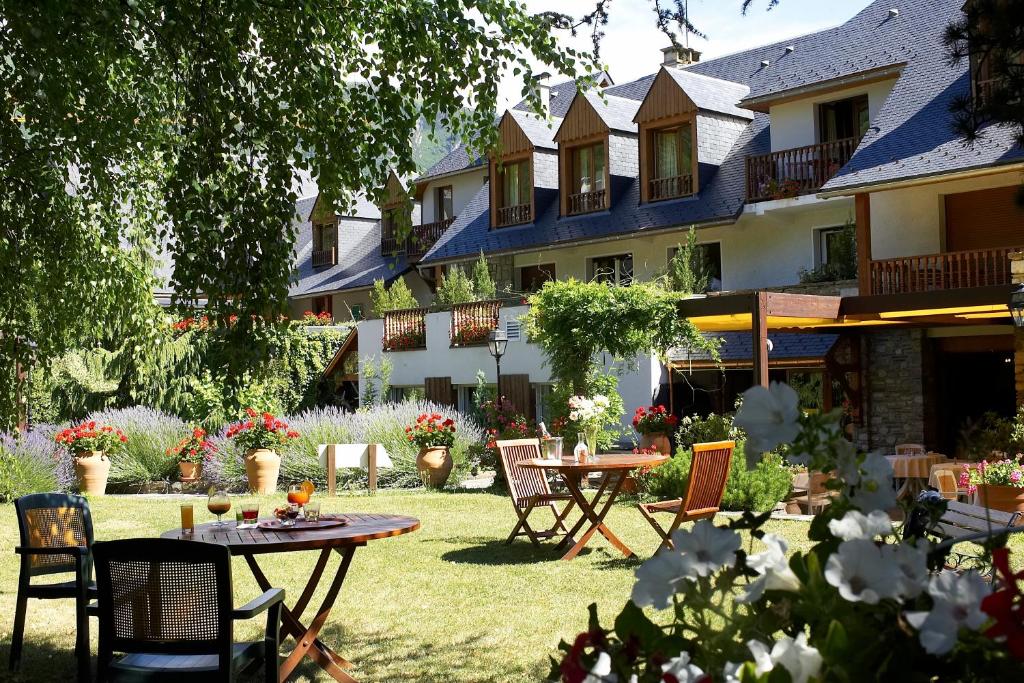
(596, 518)
(576, 478)
(307, 644)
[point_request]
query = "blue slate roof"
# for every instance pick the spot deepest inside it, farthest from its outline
(712, 94)
(456, 160)
(359, 258)
(737, 347)
(539, 131)
(616, 112)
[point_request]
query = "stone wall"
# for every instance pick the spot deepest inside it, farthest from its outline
(894, 375)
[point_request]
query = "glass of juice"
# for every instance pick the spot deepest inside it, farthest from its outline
(297, 495)
(188, 524)
(219, 503)
(250, 513)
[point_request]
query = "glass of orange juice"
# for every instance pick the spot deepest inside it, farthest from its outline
(298, 495)
(188, 524)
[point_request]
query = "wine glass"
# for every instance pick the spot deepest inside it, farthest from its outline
(297, 495)
(219, 503)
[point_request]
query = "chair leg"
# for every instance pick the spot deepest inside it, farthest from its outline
(272, 644)
(666, 542)
(527, 529)
(82, 624)
(515, 529)
(20, 605)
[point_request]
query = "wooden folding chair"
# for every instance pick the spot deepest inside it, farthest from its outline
(709, 472)
(910, 449)
(947, 484)
(529, 490)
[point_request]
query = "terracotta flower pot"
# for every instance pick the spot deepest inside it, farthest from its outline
(91, 470)
(262, 466)
(1003, 498)
(190, 471)
(658, 440)
(437, 463)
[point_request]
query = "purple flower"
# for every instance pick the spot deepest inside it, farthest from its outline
(1015, 476)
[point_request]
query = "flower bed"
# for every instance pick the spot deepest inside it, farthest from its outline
(403, 341)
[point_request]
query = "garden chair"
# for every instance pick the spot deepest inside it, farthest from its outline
(947, 485)
(910, 449)
(167, 605)
(709, 473)
(55, 538)
(818, 497)
(529, 490)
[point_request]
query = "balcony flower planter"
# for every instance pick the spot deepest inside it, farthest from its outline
(405, 341)
(91, 470)
(1002, 498)
(472, 335)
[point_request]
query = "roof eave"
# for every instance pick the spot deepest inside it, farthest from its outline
(763, 102)
(924, 179)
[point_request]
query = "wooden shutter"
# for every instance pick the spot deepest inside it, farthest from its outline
(439, 390)
(984, 219)
(516, 388)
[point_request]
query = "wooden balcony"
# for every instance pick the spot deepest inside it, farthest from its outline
(325, 257)
(798, 171)
(405, 330)
(471, 323)
(586, 202)
(513, 215)
(947, 270)
(670, 188)
(417, 243)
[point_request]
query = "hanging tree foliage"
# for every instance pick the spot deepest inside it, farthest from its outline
(126, 125)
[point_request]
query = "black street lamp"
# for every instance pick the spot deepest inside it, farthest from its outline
(1017, 305)
(497, 340)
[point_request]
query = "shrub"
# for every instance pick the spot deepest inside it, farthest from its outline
(597, 383)
(696, 429)
(29, 463)
(455, 287)
(150, 433)
(757, 490)
(483, 284)
(393, 298)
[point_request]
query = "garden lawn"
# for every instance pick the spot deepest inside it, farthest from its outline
(450, 602)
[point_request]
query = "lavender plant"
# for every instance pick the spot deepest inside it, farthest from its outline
(150, 433)
(30, 463)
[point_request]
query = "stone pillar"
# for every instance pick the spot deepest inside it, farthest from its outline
(1017, 277)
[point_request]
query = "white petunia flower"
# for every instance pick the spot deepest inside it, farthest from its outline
(769, 416)
(731, 672)
(861, 573)
(682, 668)
(656, 579)
(847, 468)
(912, 563)
(956, 604)
(706, 547)
(856, 524)
(874, 491)
(774, 569)
(801, 660)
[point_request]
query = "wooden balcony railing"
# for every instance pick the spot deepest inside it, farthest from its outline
(585, 202)
(472, 322)
(417, 243)
(325, 257)
(797, 171)
(405, 330)
(513, 215)
(669, 188)
(948, 270)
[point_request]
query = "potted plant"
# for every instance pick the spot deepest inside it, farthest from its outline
(1000, 484)
(588, 415)
(92, 444)
(260, 435)
(434, 434)
(191, 452)
(654, 424)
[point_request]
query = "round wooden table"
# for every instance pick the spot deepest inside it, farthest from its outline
(912, 471)
(615, 469)
(248, 543)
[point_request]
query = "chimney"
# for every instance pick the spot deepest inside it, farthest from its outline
(542, 83)
(675, 58)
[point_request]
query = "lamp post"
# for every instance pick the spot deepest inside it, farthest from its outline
(497, 340)
(1017, 305)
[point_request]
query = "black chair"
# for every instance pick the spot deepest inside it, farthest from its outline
(56, 538)
(167, 605)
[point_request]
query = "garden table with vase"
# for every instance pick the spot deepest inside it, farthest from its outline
(613, 469)
(357, 531)
(914, 471)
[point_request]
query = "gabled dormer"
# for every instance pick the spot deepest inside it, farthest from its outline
(395, 217)
(523, 160)
(596, 140)
(679, 108)
(324, 221)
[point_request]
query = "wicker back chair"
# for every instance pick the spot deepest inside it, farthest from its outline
(55, 532)
(167, 605)
(529, 489)
(910, 449)
(709, 473)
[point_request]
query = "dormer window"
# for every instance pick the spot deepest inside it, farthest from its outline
(588, 178)
(513, 193)
(672, 167)
(444, 204)
(325, 243)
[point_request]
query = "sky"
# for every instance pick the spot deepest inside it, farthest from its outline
(632, 44)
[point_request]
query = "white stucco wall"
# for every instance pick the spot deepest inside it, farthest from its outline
(465, 185)
(911, 221)
(343, 301)
(757, 251)
(794, 124)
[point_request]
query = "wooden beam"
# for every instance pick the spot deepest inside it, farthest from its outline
(862, 206)
(371, 466)
(759, 332)
(786, 305)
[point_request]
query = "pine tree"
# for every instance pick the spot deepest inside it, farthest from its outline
(455, 287)
(483, 285)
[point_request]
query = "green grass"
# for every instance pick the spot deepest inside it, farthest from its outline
(449, 602)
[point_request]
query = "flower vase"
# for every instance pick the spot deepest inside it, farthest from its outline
(262, 467)
(591, 436)
(91, 470)
(434, 464)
